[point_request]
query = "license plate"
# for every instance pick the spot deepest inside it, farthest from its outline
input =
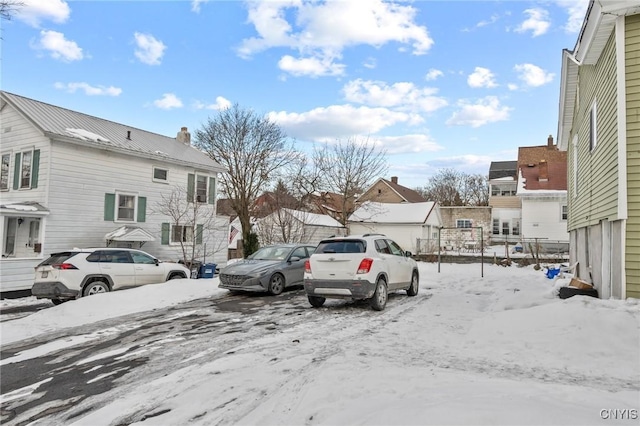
(44, 274)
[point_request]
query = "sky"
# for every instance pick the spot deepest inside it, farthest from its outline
(435, 84)
(501, 349)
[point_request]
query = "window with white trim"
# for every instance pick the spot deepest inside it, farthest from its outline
(4, 177)
(565, 212)
(181, 234)
(25, 171)
(160, 175)
(126, 207)
(496, 227)
(515, 227)
(201, 188)
(463, 223)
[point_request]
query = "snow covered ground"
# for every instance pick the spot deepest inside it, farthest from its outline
(496, 350)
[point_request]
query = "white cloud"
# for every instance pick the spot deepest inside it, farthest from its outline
(533, 75)
(149, 50)
(512, 86)
(576, 9)
(538, 22)
(58, 46)
(321, 30)
(313, 67)
(195, 5)
(220, 104)
(403, 144)
(481, 77)
(484, 111)
(433, 74)
(168, 101)
(402, 95)
(88, 89)
(370, 63)
(339, 121)
(33, 12)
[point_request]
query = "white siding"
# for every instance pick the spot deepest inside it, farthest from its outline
(542, 218)
(405, 235)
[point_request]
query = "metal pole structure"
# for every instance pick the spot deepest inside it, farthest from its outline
(439, 246)
(481, 253)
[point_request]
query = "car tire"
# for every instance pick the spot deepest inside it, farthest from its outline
(316, 301)
(176, 275)
(58, 301)
(276, 284)
(379, 299)
(415, 284)
(95, 287)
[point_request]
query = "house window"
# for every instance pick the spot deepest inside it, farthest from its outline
(10, 230)
(181, 234)
(25, 173)
(463, 223)
(126, 207)
(160, 175)
(565, 212)
(496, 227)
(593, 134)
(505, 228)
(516, 227)
(201, 188)
(4, 179)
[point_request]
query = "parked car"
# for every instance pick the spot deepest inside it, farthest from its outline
(82, 272)
(359, 267)
(270, 269)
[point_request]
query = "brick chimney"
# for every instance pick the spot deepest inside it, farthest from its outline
(394, 179)
(184, 136)
(550, 144)
(543, 171)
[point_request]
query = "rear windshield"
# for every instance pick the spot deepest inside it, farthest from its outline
(58, 258)
(341, 246)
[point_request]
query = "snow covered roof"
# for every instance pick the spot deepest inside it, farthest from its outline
(25, 207)
(314, 218)
(129, 233)
(392, 212)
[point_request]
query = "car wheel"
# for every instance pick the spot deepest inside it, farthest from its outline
(176, 275)
(95, 288)
(316, 301)
(413, 288)
(57, 301)
(379, 299)
(276, 284)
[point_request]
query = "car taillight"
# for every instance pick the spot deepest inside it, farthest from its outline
(64, 266)
(365, 266)
(307, 267)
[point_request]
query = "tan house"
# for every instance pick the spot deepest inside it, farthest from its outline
(389, 191)
(506, 212)
(599, 127)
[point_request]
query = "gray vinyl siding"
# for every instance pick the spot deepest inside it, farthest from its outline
(598, 169)
(632, 71)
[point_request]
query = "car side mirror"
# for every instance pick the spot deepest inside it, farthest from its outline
(294, 259)
(407, 253)
(157, 262)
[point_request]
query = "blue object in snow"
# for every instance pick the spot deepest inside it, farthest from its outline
(551, 273)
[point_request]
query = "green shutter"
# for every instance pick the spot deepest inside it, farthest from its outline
(142, 209)
(109, 206)
(165, 234)
(16, 172)
(191, 187)
(199, 234)
(212, 190)
(35, 166)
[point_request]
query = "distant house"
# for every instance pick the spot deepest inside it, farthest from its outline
(385, 191)
(542, 189)
(288, 226)
(599, 127)
(73, 180)
(408, 224)
(506, 207)
(328, 203)
(462, 223)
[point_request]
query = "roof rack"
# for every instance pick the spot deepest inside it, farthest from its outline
(372, 234)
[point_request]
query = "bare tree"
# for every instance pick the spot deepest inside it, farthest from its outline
(189, 221)
(444, 188)
(252, 148)
(476, 190)
(349, 167)
(8, 8)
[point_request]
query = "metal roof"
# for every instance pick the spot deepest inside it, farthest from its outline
(75, 127)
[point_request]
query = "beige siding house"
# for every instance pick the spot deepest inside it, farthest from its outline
(390, 191)
(599, 126)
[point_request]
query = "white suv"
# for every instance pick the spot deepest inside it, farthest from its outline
(82, 272)
(359, 267)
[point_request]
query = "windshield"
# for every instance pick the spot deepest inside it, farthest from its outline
(271, 253)
(341, 246)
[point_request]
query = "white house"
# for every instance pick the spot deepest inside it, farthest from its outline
(405, 223)
(72, 180)
(288, 225)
